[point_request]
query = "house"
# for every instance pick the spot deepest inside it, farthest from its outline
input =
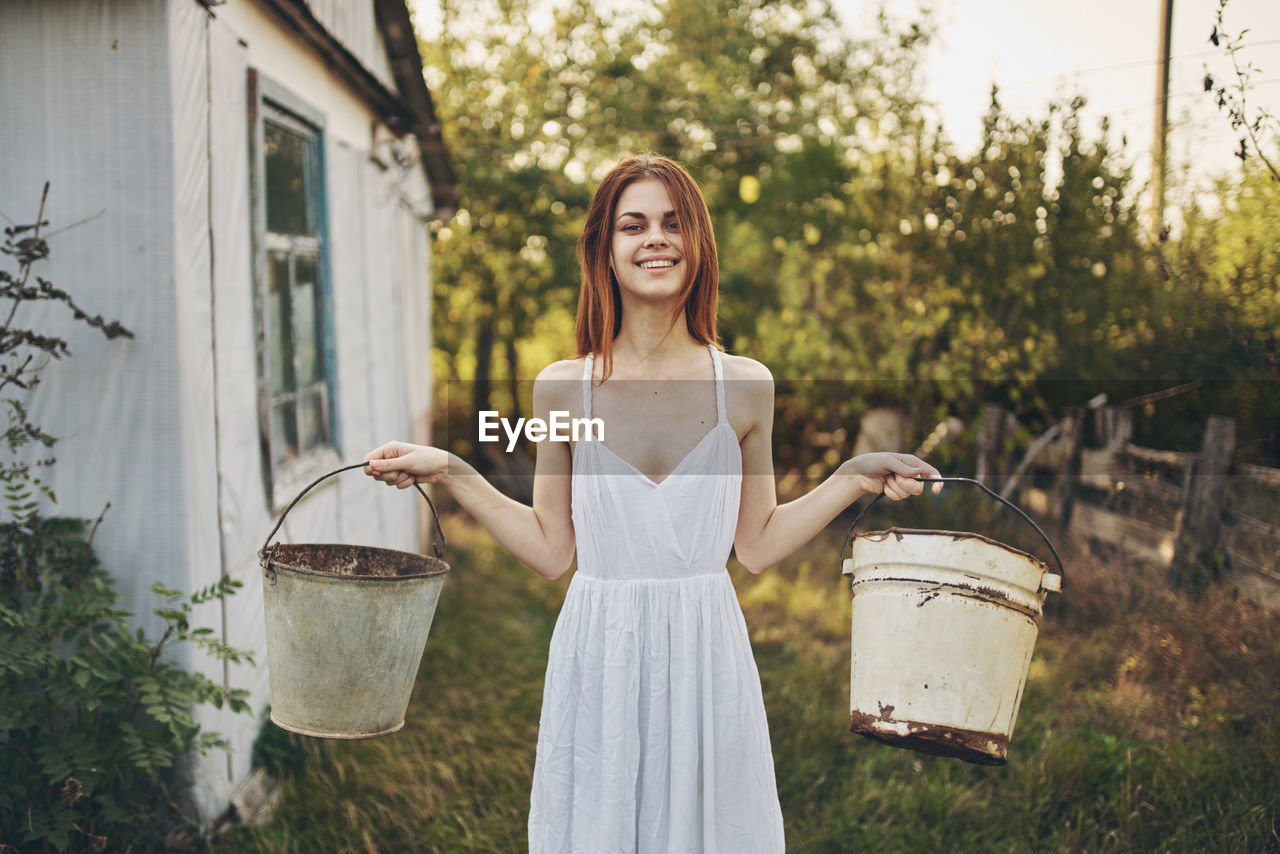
(253, 182)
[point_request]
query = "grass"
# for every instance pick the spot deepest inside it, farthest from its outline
(1149, 723)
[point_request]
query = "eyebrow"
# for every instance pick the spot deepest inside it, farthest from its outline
(637, 215)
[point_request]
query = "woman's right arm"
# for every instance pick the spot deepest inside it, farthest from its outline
(540, 536)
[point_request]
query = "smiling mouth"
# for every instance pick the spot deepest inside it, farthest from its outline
(656, 265)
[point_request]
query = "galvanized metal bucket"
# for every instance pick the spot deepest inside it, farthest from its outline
(346, 626)
(944, 625)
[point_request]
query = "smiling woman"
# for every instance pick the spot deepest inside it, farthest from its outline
(648, 209)
(653, 736)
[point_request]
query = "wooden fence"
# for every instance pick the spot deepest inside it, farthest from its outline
(1198, 512)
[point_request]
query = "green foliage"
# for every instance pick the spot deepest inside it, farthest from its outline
(857, 246)
(93, 714)
(1217, 314)
(1148, 723)
(278, 751)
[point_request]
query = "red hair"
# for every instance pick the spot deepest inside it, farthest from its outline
(599, 300)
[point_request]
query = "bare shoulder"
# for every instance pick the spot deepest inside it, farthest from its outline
(559, 385)
(743, 368)
(565, 369)
(748, 394)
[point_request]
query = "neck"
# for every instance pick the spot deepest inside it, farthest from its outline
(649, 338)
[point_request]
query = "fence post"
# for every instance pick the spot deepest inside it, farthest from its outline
(1195, 559)
(1114, 425)
(1065, 491)
(991, 440)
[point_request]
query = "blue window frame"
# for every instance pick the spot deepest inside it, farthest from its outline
(292, 297)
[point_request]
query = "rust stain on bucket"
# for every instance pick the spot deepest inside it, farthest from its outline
(946, 679)
(980, 748)
(353, 561)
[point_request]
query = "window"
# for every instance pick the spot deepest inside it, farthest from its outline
(292, 306)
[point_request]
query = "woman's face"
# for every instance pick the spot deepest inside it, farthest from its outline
(647, 249)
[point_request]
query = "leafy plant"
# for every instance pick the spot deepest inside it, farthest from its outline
(93, 714)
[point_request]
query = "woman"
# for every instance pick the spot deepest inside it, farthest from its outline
(653, 735)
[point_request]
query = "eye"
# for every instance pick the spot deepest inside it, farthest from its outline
(673, 225)
(631, 227)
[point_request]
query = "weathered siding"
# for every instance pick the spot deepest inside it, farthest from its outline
(353, 23)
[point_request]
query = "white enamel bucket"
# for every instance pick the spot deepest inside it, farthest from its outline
(944, 626)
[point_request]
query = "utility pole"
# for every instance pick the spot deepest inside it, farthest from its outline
(1162, 116)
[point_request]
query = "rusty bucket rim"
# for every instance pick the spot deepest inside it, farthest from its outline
(267, 560)
(953, 535)
(1062, 573)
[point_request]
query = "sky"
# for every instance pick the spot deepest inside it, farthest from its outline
(1106, 50)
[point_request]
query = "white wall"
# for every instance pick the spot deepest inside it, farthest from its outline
(85, 105)
(283, 56)
(136, 110)
(372, 394)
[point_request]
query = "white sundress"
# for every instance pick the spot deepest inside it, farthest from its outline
(653, 737)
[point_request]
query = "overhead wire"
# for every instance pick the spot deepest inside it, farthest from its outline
(1137, 63)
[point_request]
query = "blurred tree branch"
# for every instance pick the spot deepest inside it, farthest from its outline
(1257, 123)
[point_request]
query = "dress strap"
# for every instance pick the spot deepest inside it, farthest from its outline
(721, 413)
(586, 384)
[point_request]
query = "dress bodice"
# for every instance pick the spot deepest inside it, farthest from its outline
(629, 527)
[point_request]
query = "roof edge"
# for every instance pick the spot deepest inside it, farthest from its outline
(410, 110)
(406, 64)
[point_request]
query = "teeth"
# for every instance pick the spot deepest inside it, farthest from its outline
(651, 265)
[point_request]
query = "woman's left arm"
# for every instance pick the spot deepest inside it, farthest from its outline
(768, 533)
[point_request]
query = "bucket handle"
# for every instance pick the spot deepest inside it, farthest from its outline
(1061, 573)
(438, 546)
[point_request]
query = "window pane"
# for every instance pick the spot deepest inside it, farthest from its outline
(280, 324)
(311, 420)
(287, 158)
(284, 433)
(306, 317)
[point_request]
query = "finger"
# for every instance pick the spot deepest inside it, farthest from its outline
(901, 464)
(907, 486)
(890, 489)
(931, 473)
(390, 464)
(921, 469)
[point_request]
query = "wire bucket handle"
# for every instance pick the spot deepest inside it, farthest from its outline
(848, 537)
(439, 546)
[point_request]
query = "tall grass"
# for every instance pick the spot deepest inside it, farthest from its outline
(1149, 723)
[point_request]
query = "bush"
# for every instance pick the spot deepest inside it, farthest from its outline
(93, 715)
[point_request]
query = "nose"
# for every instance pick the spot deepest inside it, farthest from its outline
(655, 237)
